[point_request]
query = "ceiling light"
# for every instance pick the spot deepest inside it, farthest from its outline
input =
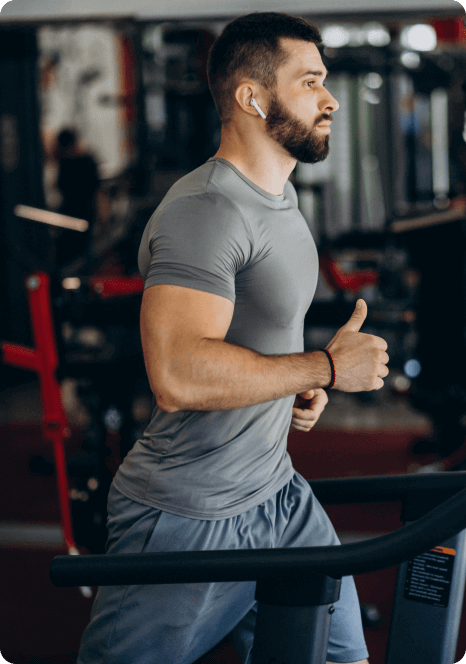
(376, 34)
(335, 36)
(419, 37)
(373, 80)
(410, 59)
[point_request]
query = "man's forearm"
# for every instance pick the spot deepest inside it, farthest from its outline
(219, 375)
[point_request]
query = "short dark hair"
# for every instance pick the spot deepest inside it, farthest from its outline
(249, 47)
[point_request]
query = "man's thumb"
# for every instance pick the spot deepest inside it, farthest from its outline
(358, 317)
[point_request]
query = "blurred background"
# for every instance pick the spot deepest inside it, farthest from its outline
(101, 111)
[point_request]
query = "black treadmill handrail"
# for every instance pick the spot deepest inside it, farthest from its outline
(385, 488)
(427, 532)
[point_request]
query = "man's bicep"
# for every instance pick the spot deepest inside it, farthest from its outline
(174, 319)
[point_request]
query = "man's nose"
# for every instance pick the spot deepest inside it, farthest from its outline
(329, 103)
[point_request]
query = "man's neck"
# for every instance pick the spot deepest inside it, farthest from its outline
(268, 167)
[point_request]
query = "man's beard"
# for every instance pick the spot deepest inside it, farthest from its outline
(304, 144)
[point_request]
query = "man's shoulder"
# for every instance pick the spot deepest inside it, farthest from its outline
(199, 204)
(199, 193)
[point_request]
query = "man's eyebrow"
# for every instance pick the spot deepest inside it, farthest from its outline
(314, 73)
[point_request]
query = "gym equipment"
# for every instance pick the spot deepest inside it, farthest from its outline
(49, 358)
(298, 586)
(44, 360)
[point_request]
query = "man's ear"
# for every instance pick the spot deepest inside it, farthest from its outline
(258, 109)
(244, 94)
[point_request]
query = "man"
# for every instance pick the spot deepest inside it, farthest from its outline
(78, 182)
(230, 270)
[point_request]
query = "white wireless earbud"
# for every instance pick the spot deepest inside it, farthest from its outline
(258, 108)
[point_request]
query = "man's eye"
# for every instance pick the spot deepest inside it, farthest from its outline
(312, 83)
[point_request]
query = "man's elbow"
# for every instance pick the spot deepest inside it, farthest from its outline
(167, 402)
(166, 405)
(166, 396)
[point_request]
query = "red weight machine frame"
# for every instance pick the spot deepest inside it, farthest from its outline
(341, 281)
(43, 359)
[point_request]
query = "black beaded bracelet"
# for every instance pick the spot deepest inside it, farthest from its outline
(332, 368)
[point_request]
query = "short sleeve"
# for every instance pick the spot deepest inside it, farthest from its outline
(199, 241)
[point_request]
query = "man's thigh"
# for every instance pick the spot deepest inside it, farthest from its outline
(173, 623)
(301, 521)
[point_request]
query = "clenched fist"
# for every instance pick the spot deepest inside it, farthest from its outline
(308, 407)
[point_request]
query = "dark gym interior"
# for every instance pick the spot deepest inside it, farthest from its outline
(125, 94)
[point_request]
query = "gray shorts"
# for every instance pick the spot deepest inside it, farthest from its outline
(179, 623)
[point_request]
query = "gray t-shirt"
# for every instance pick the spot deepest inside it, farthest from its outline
(216, 231)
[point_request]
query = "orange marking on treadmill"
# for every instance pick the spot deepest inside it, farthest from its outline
(443, 549)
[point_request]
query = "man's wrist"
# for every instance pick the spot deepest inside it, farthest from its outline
(332, 368)
(321, 370)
